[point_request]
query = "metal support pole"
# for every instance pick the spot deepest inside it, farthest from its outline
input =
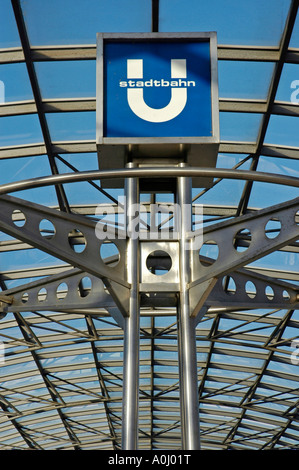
(186, 327)
(132, 324)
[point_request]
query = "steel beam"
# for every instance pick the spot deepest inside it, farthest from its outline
(245, 239)
(229, 259)
(242, 288)
(155, 15)
(88, 52)
(71, 290)
(22, 219)
(45, 294)
(87, 146)
(246, 289)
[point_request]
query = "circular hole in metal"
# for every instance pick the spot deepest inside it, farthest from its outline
(242, 239)
(208, 250)
(61, 291)
(269, 293)
(159, 262)
(110, 254)
(84, 286)
(77, 241)
(286, 295)
(25, 297)
(18, 218)
(250, 289)
(47, 229)
(229, 285)
(42, 294)
(272, 228)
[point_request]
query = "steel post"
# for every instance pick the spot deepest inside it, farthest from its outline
(132, 324)
(186, 327)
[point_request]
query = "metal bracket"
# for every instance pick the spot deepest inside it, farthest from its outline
(249, 232)
(22, 220)
(242, 289)
(245, 289)
(241, 241)
(5, 301)
(213, 282)
(77, 290)
(70, 290)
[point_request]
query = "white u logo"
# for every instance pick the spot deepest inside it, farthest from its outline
(178, 95)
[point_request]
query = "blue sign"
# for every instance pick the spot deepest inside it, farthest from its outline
(157, 89)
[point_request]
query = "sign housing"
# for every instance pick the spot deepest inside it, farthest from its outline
(157, 98)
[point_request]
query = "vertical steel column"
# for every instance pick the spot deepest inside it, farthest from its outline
(186, 326)
(132, 323)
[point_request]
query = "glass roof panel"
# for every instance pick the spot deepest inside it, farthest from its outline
(288, 86)
(244, 80)
(24, 168)
(239, 126)
(254, 23)
(294, 42)
(16, 82)
(67, 79)
(43, 195)
(73, 24)
(9, 36)
(85, 194)
(15, 170)
(283, 130)
(282, 166)
(89, 193)
(72, 126)
(279, 261)
(273, 193)
(20, 130)
(26, 259)
(231, 190)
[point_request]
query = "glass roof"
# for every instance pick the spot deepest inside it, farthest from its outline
(240, 23)
(61, 370)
